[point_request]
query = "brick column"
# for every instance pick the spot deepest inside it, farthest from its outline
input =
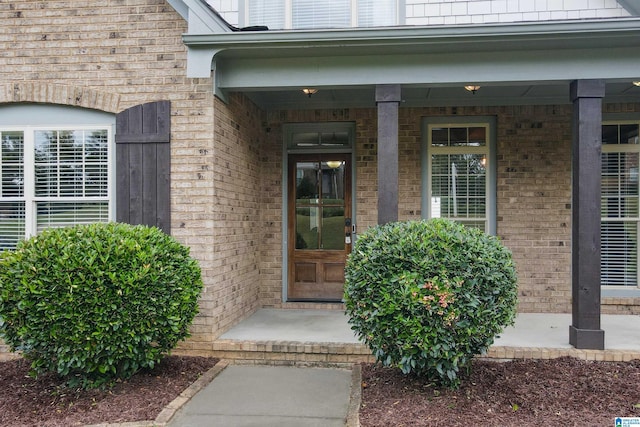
(585, 331)
(387, 99)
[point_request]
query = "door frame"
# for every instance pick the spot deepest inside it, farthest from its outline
(290, 129)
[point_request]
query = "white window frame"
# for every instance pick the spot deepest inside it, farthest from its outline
(288, 19)
(488, 150)
(623, 148)
(29, 197)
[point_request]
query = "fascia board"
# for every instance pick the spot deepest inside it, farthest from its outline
(180, 7)
(202, 19)
(576, 33)
(631, 6)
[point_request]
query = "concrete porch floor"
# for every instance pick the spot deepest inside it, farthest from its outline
(323, 337)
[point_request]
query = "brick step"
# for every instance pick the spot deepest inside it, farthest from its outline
(291, 353)
(345, 354)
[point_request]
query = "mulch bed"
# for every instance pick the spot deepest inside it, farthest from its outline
(558, 392)
(45, 402)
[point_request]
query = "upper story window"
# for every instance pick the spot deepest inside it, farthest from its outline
(310, 14)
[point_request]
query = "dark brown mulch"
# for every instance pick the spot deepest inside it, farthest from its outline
(559, 392)
(44, 402)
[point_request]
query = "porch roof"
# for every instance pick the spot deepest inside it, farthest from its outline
(517, 63)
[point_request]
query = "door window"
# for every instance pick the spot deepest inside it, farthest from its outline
(320, 204)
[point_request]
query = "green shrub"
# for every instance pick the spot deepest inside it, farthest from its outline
(426, 296)
(97, 302)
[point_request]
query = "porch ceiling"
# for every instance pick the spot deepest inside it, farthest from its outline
(531, 93)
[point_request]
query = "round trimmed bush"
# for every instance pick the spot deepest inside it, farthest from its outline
(97, 302)
(426, 296)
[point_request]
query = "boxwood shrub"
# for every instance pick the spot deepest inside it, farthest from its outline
(426, 296)
(97, 302)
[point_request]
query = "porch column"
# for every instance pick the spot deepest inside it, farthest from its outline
(585, 331)
(387, 100)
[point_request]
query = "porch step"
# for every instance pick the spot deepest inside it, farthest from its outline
(292, 353)
(324, 338)
(346, 354)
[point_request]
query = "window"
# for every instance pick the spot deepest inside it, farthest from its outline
(52, 176)
(459, 171)
(619, 204)
(309, 14)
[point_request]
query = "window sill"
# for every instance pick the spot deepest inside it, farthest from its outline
(619, 292)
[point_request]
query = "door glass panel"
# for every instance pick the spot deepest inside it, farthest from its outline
(320, 204)
(307, 228)
(307, 182)
(333, 182)
(333, 230)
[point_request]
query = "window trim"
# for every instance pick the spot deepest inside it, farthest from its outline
(618, 120)
(490, 123)
(29, 197)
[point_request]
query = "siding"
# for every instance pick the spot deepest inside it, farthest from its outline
(451, 12)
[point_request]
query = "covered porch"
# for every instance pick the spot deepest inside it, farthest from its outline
(563, 71)
(323, 337)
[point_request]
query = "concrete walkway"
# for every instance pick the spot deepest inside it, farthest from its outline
(246, 396)
(251, 395)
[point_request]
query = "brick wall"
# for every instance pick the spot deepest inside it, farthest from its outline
(114, 54)
(231, 288)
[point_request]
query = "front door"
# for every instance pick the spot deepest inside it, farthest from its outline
(319, 225)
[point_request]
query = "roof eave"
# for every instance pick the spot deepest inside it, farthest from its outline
(203, 48)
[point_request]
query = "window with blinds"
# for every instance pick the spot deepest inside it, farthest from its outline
(458, 159)
(267, 12)
(12, 218)
(619, 204)
(312, 14)
(52, 178)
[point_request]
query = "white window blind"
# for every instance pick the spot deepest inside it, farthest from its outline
(312, 14)
(267, 12)
(12, 212)
(308, 14)
(619, 205)
(458, 160)
(377, 13)
(52, 178)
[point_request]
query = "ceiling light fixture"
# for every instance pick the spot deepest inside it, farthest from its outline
(472, 88)
(309, 91)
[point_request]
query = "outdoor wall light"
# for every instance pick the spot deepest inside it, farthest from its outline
(309, 91)
(472, 88)
(636, 83)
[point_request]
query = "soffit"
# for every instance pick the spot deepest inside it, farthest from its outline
(515, 63)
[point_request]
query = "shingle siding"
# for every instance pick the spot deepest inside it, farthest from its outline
(449, 12)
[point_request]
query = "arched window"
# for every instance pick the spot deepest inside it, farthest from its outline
(56, 168)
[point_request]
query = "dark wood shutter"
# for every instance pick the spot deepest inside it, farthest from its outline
(143, 165)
